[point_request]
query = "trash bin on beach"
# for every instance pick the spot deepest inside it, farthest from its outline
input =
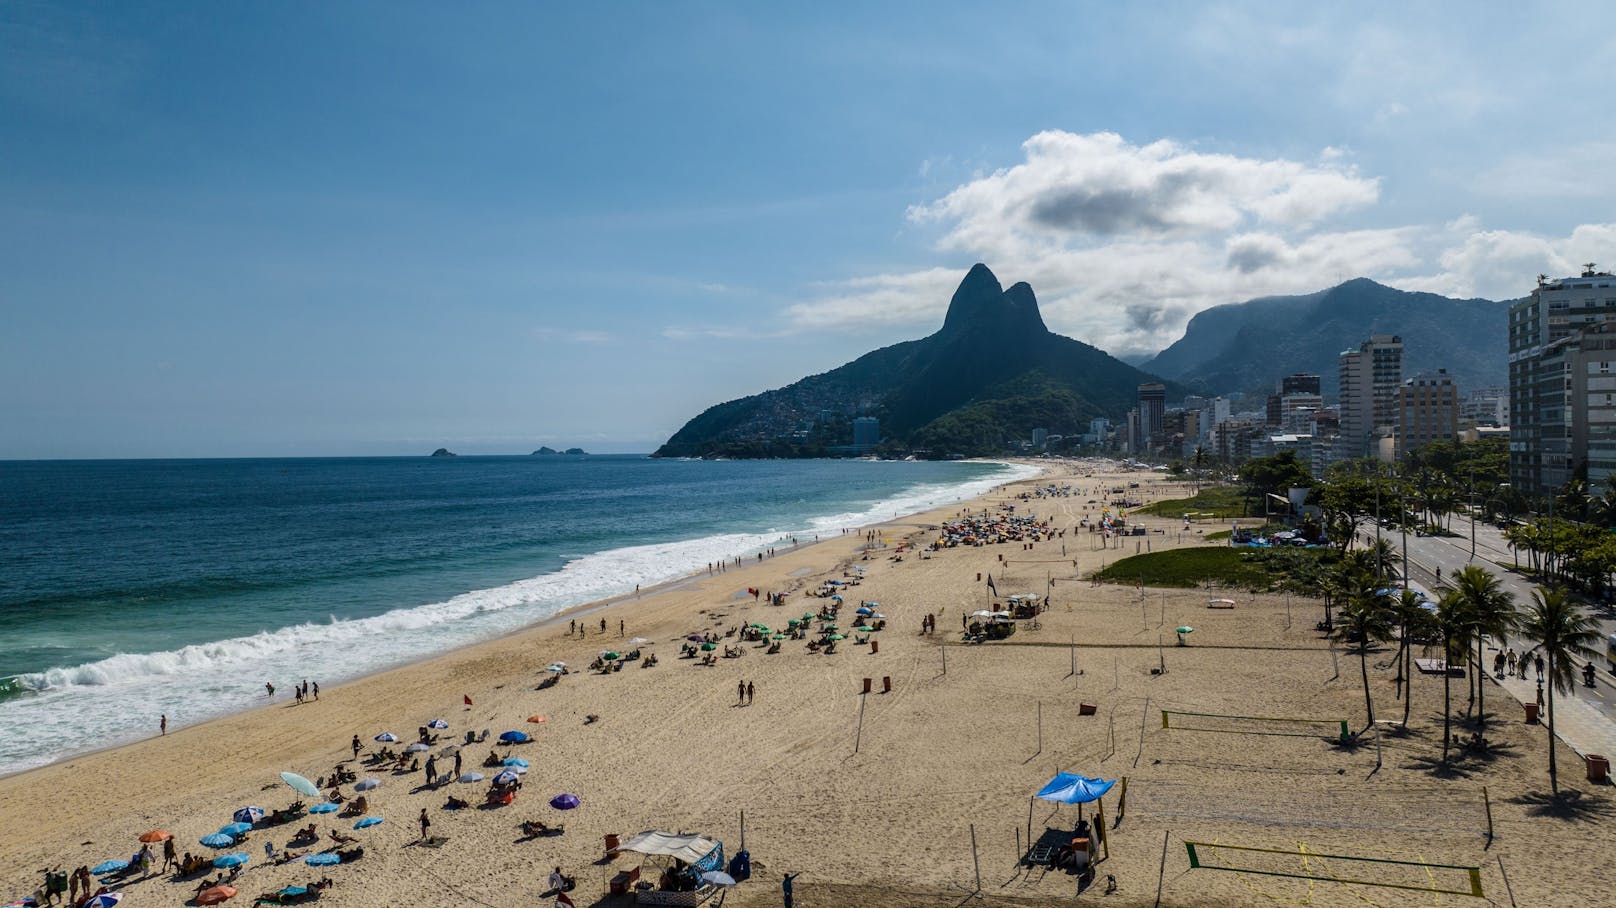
(1598, 768)
(1531, 713)
(611, 845)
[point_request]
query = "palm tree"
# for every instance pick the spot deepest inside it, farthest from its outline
(1408, 610)
(1564, 635)
(1198, 462)
(1365, 621)
(1385, 559)
(1453, 625)
(1492, 613)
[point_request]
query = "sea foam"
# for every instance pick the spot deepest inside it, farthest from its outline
(120, 698)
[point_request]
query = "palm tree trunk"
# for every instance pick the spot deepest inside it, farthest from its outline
(1554, 778)
(1481, 696)
(1447, 702)
(1408, 673)
(1363, 663)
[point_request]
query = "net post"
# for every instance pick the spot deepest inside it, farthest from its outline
(1345, 735)
(1195, 860)
(1475, 882)
(1164, 718)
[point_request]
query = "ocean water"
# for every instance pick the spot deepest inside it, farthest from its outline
(130, 589)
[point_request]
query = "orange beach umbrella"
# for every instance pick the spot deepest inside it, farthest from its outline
(156, 835)
(215, 895)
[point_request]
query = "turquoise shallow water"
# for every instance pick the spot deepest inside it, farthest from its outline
(129, 589)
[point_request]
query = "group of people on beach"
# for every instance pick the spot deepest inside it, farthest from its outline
(305, 692)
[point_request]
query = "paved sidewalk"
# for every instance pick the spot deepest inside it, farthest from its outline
(1577, 723)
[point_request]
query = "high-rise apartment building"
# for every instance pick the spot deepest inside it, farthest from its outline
(1152, 407)
(1560, 387)
(866, 432)
(1370, 379)
(1427, 411)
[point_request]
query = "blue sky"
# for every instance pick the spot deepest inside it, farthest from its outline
(298, 229)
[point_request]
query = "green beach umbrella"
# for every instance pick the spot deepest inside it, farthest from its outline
(609, 656)
(864, 630)
(794, 622)
(779, 636)
(709, 647)
(1186, 629)
(836, 637)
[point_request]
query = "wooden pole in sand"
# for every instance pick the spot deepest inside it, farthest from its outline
(942, 647)
(743, 829)
(1040, 727)
(975, 862)
(1029, 823)
(1161, 874)
(858, 737)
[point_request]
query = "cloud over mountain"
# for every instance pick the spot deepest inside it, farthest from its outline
(1126, 242)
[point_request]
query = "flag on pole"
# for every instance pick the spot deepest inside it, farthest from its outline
(991, 588)
(467, 698)
(563, 900)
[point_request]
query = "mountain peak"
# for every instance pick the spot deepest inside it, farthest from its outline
(981, 304)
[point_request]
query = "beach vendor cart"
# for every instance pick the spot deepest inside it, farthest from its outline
(670, 872)
(1025, 605)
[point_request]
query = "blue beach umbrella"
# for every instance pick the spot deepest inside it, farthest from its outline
(248, 815)
(218, 840)
(515, 761)
(323, 807)
(106, 867)
(387, 737)
(368, 822)
(326, 859)
(514, 737)
(300, 784)
(104, 900)
(564, 801)
(507, 777)
(367, 784)
(437, 724)
(235, 829)
(233, 859)
(864, 610)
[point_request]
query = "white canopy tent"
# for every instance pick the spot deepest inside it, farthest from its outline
(687, 848)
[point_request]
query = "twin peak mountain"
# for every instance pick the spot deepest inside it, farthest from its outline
(993, 372)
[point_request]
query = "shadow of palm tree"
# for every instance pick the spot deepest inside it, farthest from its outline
(1573, 804)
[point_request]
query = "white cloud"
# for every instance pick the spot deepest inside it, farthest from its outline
(1124, 243)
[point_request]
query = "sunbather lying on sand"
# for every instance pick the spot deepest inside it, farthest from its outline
(341, 839)
(455, 803)
(536, 828)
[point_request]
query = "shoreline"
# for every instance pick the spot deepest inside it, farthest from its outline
(570, 612)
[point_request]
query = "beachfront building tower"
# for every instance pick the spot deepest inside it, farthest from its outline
(1152, 410)
(866, 432)
(1427, 411)
(1371, 378)
(1560, 382)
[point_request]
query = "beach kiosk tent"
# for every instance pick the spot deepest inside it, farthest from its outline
(1071, 788)
(688, 856)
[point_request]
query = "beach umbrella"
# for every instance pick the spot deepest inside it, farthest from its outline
(368, 822)
(709, 647)
(873, 605)
(26, 901)
(248, 815)
(638, 641)
(156, 835)
(555, 669)
(106, 867)
(519, 770)
(104, 900)
(610, 656)
(438, 724)
(718, 878)
(864, 610)
(1185, 629)
(836, 599)
(836, 637)
(215, 895)
(514, 737)
(218, 840)
(235, 829)
(807, 616)
(233, 859)
(323, 807)
(696, 638)
(537, 720)
(449, 751)
(324, 859)
(793, 622)
(387, 737)
(417, 748)
(564, 801)
(508, 777)
(516, 761)
(300, 784)
(778, 637)
(471, 777)
(367, 784)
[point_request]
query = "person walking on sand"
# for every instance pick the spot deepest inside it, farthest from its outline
(740, 693)
(603, 625)
(786, 883)
(1538, 661)
(356, 746)
(750, 693)
(432, 770)
(316, 691)
(162, 724)
(457, 764)
(169, 856)
(426, 824)
(620, 624)
(271, 688)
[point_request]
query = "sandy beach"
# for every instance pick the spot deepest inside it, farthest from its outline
(874, 799)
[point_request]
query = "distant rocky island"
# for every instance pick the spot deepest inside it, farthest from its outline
(443, 452)
(548, 451)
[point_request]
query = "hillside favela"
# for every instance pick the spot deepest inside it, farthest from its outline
(719, 455)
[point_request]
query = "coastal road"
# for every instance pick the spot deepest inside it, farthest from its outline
(1428, 553)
